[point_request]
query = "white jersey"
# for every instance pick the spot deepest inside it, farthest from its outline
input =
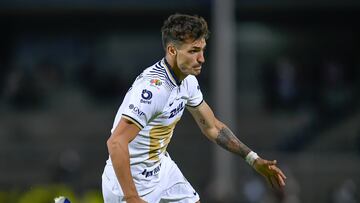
(155, 103)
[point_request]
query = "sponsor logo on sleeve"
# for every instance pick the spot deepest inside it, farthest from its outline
(136, 110)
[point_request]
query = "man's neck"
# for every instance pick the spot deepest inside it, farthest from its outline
(175, 68)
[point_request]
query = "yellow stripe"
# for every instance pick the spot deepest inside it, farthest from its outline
(160, 137)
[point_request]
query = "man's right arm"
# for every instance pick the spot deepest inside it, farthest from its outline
(118, 149)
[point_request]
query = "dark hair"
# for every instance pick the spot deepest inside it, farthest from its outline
(181, 27)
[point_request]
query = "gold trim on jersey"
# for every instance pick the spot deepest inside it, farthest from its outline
(133, 121)
(168, 72)
(160, 137)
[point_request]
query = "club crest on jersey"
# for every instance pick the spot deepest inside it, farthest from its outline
(176, 110)
(146, 96)
(155, 83)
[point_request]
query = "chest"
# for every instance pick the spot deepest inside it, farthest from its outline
(174, 107)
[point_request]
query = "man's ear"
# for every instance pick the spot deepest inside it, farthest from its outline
(171, 50)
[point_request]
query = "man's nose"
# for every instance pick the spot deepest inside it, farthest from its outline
(201, 58)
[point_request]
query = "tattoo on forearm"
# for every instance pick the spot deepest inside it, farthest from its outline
(230, 142)
(202, 121)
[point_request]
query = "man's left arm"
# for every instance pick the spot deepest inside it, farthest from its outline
(220, 134)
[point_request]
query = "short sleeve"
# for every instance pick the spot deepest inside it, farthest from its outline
(194, 91)
(144, 102)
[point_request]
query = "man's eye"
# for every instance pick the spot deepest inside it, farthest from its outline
(192, 51)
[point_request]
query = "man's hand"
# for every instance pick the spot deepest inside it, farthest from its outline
(134, 199)
(273, 175)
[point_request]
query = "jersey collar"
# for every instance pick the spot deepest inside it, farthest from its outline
(172, 75)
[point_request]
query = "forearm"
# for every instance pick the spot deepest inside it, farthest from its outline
(217, 131)
(119, 155)
(227, 140)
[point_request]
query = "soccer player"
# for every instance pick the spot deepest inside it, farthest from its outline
(139, 169)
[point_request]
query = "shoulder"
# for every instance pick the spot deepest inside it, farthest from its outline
(191, 82)
(151, 87)
(191, 79)
(156, 76)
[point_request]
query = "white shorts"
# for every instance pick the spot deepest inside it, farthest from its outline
(164, 183)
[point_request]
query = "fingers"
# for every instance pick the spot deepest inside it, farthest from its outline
(268, 179)
(275, 182)
(278, 171)
(280, 180)
(275, 177)
(281, 173)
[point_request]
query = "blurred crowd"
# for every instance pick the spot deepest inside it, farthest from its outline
(42, 61)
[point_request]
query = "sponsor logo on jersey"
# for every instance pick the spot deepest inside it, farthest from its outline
(136, 110)
(146, 96)
(155, 171)
(177, 110)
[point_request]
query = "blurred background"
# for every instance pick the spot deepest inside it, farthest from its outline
(66, 65)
